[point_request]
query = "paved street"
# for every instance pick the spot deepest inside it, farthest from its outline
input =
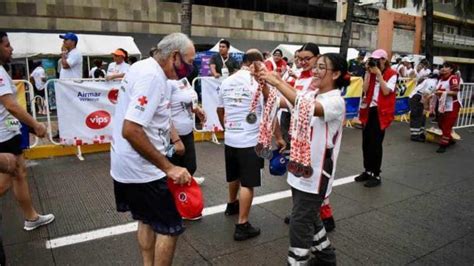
(422, 214)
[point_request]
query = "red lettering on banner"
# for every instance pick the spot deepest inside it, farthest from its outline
(113, 95)
(98, 119)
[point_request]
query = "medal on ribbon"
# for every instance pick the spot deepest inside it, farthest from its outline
(300, 131)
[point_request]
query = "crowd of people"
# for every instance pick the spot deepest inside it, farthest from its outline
(262, 99)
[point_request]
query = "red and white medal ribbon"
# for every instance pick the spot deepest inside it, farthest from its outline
(300, 154)
(264, 144)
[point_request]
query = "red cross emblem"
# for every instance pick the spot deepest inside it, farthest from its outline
(143, 100)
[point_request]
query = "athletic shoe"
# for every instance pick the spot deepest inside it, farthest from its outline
(362, 177)
(441, 149)
(329, 224)
(199, 180)
(373, 181)
(287, 219)
(245, 231)
(232, 208)
(40, 221)
(451, 142)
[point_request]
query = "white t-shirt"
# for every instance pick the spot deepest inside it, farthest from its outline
(427, 86)
(92, 71)
(115, 68)
(74, 60)
(183, 99)
(401, 68)
(391, 84)
(144, 98)
(38, 75)
(235, 96)
(326, 134)
(423, 73)
(9, 125)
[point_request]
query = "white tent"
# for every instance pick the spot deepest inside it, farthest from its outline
(231, 50)
(289, 50)
(27, 45)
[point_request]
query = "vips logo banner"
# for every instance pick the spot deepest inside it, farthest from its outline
(85, 111)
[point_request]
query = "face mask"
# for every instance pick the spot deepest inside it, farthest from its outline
(184, 70)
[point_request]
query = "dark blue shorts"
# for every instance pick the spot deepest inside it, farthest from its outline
(151, 203)
(12, 145)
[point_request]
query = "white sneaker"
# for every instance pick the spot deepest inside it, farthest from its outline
(40, 221)
(199, 180)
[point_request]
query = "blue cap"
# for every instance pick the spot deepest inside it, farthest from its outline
(69, 36)
(278, 163)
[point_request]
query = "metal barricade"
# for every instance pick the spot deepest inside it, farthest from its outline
(213, 133)
(31, 99)
(465, 117)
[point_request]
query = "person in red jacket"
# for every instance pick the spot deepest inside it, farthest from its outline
(377, 110)
(448, 94)
(276, 62)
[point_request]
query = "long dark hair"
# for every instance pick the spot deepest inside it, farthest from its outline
(338, 64)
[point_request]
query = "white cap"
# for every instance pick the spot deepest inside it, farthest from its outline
(405, 59)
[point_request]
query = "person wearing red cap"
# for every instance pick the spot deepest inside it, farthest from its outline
(71, 57)
(377, 110)
(119, 67)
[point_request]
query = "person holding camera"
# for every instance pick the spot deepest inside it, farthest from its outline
(377, 110)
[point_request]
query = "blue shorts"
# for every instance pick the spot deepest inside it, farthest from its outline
(151, 203)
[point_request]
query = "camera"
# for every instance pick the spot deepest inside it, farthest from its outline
(373, 62)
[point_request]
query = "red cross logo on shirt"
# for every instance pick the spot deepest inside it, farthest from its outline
(143, 100)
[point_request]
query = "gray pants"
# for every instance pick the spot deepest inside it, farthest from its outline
(417, 118)
(2, 252)
(309, 244)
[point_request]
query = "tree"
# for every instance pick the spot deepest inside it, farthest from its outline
(462, 7)
(347, 30)
(186, 16)
(428, 26)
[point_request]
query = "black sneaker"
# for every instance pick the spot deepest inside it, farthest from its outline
(451, 142)
(441, 149)
(362, 177)
(417, 138)
(423, 137)
(373, 181)
(287, 219)
(329, 224)
(245, 231)
(232, 208)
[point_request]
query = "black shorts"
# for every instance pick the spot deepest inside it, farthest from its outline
(188, 160)
(12, 145)
(244, 165)
(151, 203)
(39, 92)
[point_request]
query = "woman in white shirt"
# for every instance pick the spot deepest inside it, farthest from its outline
(183, 105)
(308, 240)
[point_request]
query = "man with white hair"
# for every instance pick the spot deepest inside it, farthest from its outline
(141, 137)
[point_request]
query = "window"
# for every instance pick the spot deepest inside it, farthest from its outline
(450, 29)
(399, 3)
